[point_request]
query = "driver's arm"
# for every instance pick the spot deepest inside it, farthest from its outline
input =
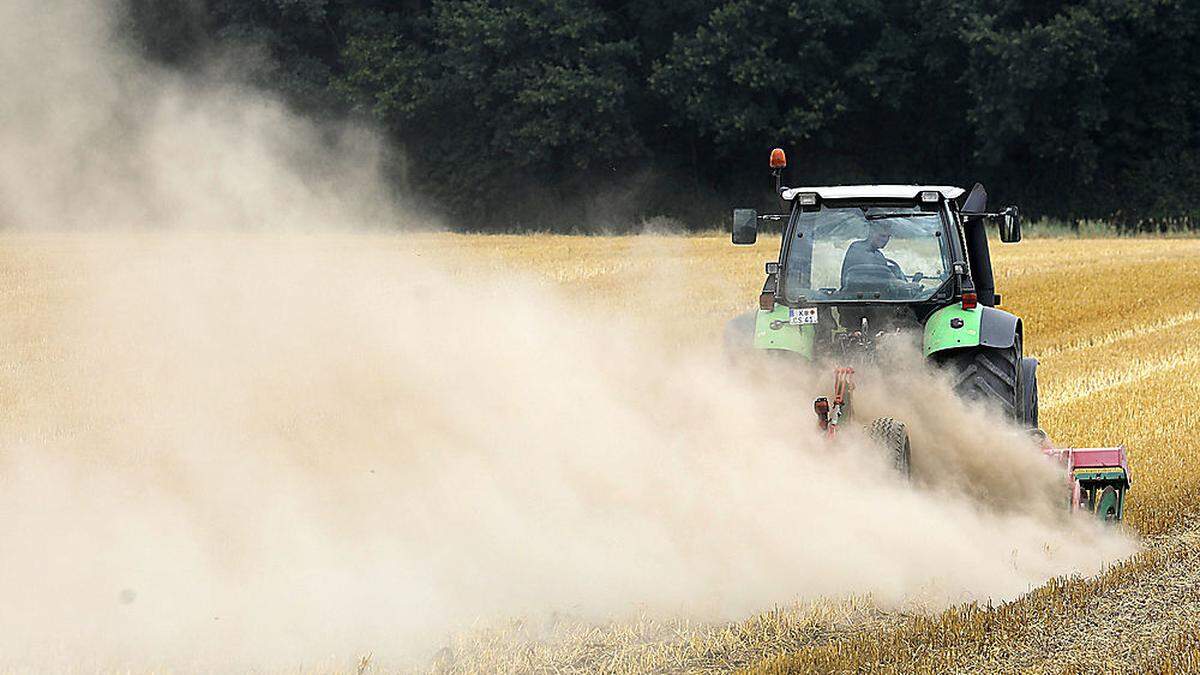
(854, 256)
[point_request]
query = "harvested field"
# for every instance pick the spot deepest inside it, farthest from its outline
(1113, 321)
(1116, 327)
(247, 427)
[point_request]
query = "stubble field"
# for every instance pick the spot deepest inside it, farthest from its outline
(1115, 324)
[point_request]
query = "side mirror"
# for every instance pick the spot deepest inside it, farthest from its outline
(1010, 225)
(745, 226)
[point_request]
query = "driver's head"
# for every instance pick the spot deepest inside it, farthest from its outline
(880, 235)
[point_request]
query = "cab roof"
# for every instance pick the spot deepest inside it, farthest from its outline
(872, 191)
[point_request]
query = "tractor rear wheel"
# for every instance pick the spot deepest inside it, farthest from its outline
(739, 335)
(1029, 385)
(991, 375)
(892, 435)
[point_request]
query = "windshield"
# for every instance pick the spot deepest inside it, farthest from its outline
(871, 253)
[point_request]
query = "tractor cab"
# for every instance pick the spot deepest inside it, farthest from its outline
(880, 243)
(886, 248)
(895, 256)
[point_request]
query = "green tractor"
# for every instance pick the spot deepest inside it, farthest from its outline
(860, 261)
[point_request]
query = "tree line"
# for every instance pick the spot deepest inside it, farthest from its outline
(559, 113)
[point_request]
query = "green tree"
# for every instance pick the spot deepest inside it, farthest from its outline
(1073, 108)
(490, 98)
(169, 31)
(1093, 111)
(859, 90)
(299, 40)
(1040, 100)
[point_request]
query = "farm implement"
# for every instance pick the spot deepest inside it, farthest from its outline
(832, 415)
(833, 292)
(1097, 477)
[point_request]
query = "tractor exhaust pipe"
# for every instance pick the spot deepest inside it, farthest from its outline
(978, 255)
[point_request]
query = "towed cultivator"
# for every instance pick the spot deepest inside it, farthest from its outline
(1098, 477)
(857, 262)
(859, 347)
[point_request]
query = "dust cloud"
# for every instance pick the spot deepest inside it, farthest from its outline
(241, 432)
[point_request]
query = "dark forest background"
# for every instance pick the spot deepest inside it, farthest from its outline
(591, 113)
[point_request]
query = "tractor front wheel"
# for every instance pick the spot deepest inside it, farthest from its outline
(892, 435)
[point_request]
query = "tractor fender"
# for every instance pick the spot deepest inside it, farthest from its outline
(997, 328)
(953, 327)
(773, 331)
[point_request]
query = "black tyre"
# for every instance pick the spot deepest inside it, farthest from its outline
(892, 435)
(739, 335)
(991, 375)
(1029, 387)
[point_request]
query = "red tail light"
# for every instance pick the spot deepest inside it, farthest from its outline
(970, 301)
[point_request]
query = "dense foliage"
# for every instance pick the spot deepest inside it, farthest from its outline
(557, 111)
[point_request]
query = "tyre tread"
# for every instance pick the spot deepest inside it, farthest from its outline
(988, 374)
(892, 434)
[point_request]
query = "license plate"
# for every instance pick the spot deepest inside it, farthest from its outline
(803, 316)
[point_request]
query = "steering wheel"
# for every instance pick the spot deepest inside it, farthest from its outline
(867, 275)
(869, 278)
(894, 267)
(912, 288)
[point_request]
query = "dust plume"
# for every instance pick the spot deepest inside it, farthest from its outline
(95, 138)
(295, 445)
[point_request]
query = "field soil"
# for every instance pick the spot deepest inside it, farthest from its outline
(1115, 324)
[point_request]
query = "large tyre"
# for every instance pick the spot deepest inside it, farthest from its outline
(739, 335)
(1029, 387)
(991, 375)
(892, 435)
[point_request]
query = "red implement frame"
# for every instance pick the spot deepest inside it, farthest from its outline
(1087, 458)
(831, 415)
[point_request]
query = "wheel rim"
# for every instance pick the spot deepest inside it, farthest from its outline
(1106, 504)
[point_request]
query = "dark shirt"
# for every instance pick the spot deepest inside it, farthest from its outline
(861, 253)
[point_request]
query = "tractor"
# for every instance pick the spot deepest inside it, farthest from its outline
(857, 262)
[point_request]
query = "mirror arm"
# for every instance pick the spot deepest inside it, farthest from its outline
(985, 214)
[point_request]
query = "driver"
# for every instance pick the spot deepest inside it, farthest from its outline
(869, 251)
